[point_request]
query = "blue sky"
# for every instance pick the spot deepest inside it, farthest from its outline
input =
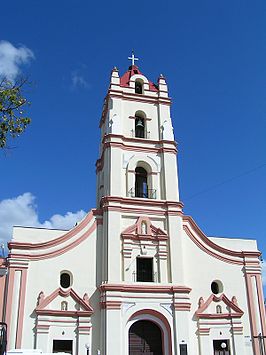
(213, 55)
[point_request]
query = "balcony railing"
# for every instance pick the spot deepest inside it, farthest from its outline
(149, 193)
(143, 278)
(146, 134)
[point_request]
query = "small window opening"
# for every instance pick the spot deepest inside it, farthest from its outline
(60, 346)
(65, 280)
(139, 127)
(218, 309)
(138, 87)
(141, 187)
(143, 227)
(64, 306)
(216, 287)
(145, 269)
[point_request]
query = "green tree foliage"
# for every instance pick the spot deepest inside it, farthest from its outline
(13, 120)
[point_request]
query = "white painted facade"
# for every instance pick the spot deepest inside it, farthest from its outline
(105, 296)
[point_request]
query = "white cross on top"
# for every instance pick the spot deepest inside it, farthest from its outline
(133, 58)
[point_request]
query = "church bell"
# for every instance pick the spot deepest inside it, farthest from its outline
(139, 124)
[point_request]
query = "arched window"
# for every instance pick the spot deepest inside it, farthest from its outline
(138, 87)
(218, 309)
(143, 227)
(64, 306)
(141, 187)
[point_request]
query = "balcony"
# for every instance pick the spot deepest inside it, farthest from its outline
(145, 134)
(148, 193)
(143, 277)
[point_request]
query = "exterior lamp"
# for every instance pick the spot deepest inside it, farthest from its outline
(223, 346)
(87, 346)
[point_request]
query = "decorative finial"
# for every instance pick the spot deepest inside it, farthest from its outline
(133, 58)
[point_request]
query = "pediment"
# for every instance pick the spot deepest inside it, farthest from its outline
(218, 307)
(64, 303)
(143, 229)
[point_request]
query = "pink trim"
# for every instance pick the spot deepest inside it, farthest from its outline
(252, 315)
(142, 211)
(139, 98)
(11, 278)
(106, 200)
(213, 298)
(219, 316)
(61, 251)
(131, 97)
(133, 70)
(208, 246)
(182, 306)
(144, 118)
(2, 287)
(134, 232)
(43, 326)
(237, 329)
(261, 305)
(107, 140)
(144, 288)
(111, 304)
(165, 322)
(44, 302)
(21, 310)
(51, 312)
(56, 241)
(205, 331)
(135, 148)
(261, 302)
(213, 245)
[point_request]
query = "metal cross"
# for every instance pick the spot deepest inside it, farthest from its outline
(133, 58)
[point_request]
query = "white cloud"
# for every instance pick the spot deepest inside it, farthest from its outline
(78, 80)
(22, 211)
(67, 221)
(263, 265)
(11, 59)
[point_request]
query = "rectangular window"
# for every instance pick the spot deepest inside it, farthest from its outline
(145, 269)
(62, 346)
(183, 349)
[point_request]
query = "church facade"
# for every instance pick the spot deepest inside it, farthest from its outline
(135, 276)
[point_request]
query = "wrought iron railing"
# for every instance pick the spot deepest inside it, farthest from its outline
(142, 278)
(148, 193)
(146, 134)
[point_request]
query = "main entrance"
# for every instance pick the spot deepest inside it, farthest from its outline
(145, 338)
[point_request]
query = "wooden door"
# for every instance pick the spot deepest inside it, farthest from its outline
(145, 338)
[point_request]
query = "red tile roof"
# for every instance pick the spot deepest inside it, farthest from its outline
(132, 70)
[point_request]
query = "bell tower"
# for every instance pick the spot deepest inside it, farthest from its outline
(137, 177)
(136, 119)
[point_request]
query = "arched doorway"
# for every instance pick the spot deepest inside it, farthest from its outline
(145, 338)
